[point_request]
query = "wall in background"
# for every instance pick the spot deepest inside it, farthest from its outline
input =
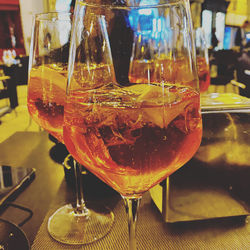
(27, 9)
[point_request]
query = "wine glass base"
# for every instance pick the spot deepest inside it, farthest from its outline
(69, 228)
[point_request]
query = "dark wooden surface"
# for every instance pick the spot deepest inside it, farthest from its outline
(48, 191)
(32, 150)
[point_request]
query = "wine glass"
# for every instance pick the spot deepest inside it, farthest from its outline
(46, 98)
(136, 128)
(202, 59)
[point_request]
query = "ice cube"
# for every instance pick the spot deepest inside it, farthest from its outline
(157, 95)
(188, 120)
(160, 105)
(120, 127)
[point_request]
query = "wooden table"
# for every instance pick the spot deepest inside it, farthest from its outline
(49, 191)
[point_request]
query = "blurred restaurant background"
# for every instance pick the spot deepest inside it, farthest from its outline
(226, 29)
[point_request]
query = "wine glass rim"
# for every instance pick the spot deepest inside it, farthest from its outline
(126, 6)
(52, 16)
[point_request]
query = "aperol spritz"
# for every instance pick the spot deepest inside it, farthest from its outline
(134, 132)
(132, 138)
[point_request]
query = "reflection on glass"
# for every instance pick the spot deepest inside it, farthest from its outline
(202, 60)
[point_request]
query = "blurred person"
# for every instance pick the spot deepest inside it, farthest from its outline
(72, 6)
(47, 41)
(243, 70)
(214, 40)
(240, 37)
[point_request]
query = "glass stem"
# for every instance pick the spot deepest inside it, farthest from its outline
(80, 208)
(131, 206)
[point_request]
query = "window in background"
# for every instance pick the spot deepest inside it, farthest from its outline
(227, 38)
(248, 36)
(63, 5)
(151, 25)
(207, 25)
(220, 28)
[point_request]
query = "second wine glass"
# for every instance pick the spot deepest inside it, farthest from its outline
(46, 98)
(135, 128)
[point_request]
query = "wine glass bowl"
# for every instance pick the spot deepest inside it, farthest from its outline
(130, 136)
(48, 71)
(144, 123)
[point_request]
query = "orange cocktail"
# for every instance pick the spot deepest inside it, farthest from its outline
(133, 141)
(163, 70)
(46, 98)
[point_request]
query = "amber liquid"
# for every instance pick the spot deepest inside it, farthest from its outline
(203, 74)
(134, 137)
(46, 98)
(161, 70)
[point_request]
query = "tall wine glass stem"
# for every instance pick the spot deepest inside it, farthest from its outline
(80, 208)
(74, 223)
(131, 206)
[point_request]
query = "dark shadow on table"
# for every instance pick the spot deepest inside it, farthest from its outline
(94, 189)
